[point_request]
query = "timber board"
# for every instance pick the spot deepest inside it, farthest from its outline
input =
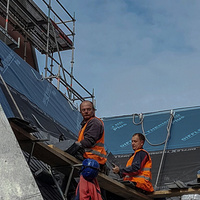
(56, 157)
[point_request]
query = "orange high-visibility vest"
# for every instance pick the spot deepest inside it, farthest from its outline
(97, 151)
(143, 179)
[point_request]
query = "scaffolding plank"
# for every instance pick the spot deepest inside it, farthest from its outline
(27, 16)
(41, 151)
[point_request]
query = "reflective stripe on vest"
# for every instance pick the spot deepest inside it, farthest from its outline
(147, 178)
(95, 152)
(98, 145)
(138, 176)
(146, 169)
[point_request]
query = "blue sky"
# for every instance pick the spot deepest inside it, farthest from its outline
(139, 56)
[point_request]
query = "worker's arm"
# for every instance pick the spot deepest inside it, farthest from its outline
(138, 163)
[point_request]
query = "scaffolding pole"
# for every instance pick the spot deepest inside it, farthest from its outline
(72, 61)
(47, 47)
(7, 15)
(45, 35)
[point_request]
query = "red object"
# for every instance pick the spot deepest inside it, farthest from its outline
(88, 190)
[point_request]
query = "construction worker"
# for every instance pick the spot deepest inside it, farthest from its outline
(88, 187)
(138, 167)
(91, 135)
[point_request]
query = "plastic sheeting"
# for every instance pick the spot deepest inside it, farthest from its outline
(181, 156)
(40, 96)
(185, 130)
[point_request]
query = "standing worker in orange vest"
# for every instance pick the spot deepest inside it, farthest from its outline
(91, 135)
(138, 167)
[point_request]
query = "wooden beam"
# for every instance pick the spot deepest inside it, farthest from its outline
(114, 186)
(63, 162)
(42, 151)
(120, 189)
(56, 157)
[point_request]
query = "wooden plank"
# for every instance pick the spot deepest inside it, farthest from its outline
(120, 189)
(114, 186)
(174, 192)
(56, 157)
(42, 151)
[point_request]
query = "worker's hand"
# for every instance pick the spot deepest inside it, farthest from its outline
(115, 169)
(78, 143)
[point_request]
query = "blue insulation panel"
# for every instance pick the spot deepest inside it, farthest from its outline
(184, 133)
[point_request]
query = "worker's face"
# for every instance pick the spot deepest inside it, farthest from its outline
(87, 110)
(137, 143)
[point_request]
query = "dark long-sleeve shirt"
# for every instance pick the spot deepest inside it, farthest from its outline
(93, 132)
(138, 163)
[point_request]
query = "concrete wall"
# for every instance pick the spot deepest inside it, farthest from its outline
(16, 179)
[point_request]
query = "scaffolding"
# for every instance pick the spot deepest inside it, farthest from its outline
(51, 37)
